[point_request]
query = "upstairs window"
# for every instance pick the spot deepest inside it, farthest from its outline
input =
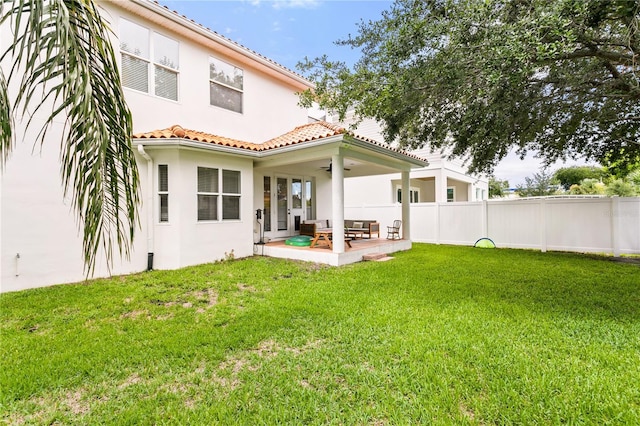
(225, 85)
(135, 50)
(148, 60)
(165, 66)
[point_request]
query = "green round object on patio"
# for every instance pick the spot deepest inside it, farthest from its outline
(299, 241)
(485, 243)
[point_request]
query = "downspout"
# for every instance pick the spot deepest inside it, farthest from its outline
(150, 209)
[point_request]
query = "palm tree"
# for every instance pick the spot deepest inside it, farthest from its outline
(60, 51)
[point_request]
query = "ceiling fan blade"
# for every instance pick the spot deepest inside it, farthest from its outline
(330, 168)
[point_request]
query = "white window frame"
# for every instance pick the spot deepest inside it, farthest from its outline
(165, 67)
(219, 195)
(151, 62)
(226, 86)
(414, 192)
(453, 192)
(215, 193)
(163, 192)
(230, 195)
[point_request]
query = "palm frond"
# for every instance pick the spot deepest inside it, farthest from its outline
(6, 122)
(62, 49)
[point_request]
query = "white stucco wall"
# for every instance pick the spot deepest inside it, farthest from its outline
(461, 189)
(269, 108)
(202, 242)
(40, 239)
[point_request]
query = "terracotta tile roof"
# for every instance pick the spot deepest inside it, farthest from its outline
(178, 132)
(301, 134)
(305, 133)
(322, 129)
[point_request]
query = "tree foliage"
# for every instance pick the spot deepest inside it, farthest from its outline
(539, 185)
(568, 176)
(588, 186)
(497, 187)
(621, 188)
(60, 52)
(560, 78)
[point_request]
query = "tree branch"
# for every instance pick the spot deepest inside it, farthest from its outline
(594, 52)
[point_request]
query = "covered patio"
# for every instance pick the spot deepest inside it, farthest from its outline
(324, 155)
(322, 254)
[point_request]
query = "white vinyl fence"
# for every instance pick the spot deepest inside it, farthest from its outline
(601, 225)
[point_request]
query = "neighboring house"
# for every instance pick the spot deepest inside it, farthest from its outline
(219, 137)
(442, 180)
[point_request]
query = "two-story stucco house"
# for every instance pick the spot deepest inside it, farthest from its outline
(226, 158)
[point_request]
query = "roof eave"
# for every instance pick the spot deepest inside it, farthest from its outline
(414, 161)
(207, 146)
(256, 154)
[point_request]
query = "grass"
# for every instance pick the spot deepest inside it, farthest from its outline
(439, 335)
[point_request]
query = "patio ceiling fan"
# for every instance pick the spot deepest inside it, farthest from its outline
(329, 169)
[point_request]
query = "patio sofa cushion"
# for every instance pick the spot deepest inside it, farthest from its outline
(310, 227)
(367, 227)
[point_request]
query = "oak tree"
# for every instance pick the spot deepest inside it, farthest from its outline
(559, 78)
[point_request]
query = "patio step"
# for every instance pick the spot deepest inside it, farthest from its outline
(379, 257)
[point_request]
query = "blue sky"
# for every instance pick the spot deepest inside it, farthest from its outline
(288, 30)
(285, 30)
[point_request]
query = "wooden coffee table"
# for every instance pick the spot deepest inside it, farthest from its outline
(353, 233)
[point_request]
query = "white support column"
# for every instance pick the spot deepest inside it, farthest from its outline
(406, 207)
(337, 188)
(441, 187)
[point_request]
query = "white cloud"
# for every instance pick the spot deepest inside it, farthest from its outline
(295, 4)
(275, 26)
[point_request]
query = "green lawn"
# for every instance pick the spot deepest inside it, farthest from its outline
(438, 335)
